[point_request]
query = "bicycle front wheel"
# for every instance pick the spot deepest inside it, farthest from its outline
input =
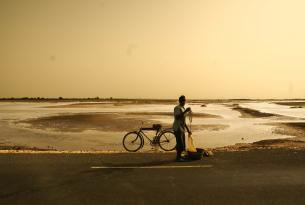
(167, 141)
(132, 141)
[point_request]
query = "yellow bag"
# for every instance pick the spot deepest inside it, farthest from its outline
(191, 147)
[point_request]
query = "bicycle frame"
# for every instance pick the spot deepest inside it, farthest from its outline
(143, 135)
(154, 141)
(157, 135)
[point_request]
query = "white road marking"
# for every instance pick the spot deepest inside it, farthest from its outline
(153, 167)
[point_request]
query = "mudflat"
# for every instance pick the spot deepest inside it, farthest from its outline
(100, 125)
(109, 121)
(251, 113)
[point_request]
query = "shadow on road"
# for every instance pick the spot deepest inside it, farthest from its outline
(138, 164)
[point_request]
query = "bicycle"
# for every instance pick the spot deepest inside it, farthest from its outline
(165, 138)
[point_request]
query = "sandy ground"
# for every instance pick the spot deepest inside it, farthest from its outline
(122, 122)
(294, 129)
(292, 104)
(115, 122)
(250, 113)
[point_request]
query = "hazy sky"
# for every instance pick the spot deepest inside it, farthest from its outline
(152, 48)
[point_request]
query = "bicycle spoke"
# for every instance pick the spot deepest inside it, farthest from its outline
(132, 142)
(167, 141)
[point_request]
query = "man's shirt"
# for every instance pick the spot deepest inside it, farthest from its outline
(179, 121)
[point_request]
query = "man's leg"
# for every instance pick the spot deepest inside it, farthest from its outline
(179, 145)
(183, 141)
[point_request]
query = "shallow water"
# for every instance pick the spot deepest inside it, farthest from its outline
(240, 130)
(270, 107)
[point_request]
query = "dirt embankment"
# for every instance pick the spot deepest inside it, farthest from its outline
(112, 122)
(294, 104)
(296, 129)
(23, 148)
(107, 104)
(251, 113)
(210, 127)
(265, 144)
(199, 115)
(108, 122)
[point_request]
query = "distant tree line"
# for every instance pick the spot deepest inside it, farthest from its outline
(52, 99)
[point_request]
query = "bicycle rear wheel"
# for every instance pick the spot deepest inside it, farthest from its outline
(132, 141)
(167, 141)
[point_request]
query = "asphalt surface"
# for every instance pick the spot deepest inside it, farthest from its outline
(254, 177)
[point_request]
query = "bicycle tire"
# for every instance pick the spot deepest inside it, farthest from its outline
(167, 141)
(133, 139)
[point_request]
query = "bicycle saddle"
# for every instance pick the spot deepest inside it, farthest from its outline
(157, 126)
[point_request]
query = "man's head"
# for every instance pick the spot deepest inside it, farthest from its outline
(182, 100)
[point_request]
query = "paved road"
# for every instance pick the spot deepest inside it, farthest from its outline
(254, 177)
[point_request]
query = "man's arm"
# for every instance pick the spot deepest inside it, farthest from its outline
(179, 114)
(186, 111)
(187, 128)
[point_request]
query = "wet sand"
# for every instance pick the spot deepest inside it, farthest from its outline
(114, 122)
(24, 149)
(68, 126)
(265, 144)
(251, 113)
(195, 115)
(296, 129)
(295, 104)
(89, 121)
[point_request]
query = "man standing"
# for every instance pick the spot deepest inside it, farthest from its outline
(179, 126)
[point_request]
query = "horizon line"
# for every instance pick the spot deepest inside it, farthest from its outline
(122, 98)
